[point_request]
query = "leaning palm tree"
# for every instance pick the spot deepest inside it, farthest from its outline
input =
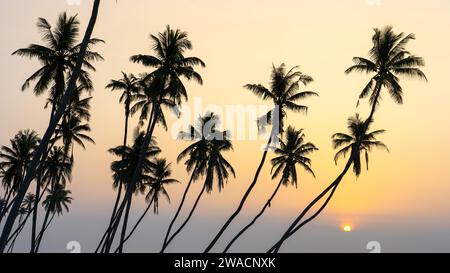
(206, 155)
(158, 179)
(388, 60)
(32, 169)
(284, 94)
(122, 174)
(356, 143)
(291, 152)
(14, 163)
(57, 200)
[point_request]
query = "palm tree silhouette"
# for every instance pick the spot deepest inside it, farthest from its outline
(14, 163)
(204, 157)
(25, 210)
(58, 56)
(57, 200)
(159, 177)
(42, 148)
(388, 59)
(123, 170)
(284, 94)
(292, 152)
(356, 143)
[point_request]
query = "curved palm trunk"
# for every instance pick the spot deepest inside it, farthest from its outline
(35, 212)
(266, 205)
(186, 221)
(31, 171)
(244, 198)
(20, 226)
(138, 222)
(179, 207)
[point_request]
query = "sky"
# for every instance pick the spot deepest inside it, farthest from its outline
(401, 202)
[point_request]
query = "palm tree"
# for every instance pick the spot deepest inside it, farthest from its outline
(356, 143)
(58, 56)
(14, 163)
(205, 157)
(292, 152)
(57, 200)
(160, 176)
(122, 174)
(59, 112)
(388, 59)
(284, 94)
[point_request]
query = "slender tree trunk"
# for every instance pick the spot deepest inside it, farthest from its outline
(35, 212)
(180, 206)
(31, 172)
(8, 204)
(138, 222)
(266, 205)
(186, 221)
(11, 247)
(244, 198)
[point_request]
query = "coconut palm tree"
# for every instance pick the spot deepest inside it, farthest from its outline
(291, 152)
(388, 60)
(57, 200)
(356, 143)
(205, 156)
(42, 148)
(14, 162)
(283, 92)
(122, 174)
(58, 56)
(171, 66)
(159, 177)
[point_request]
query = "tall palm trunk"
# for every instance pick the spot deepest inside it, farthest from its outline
(11, 246)
(244, 198)
(125, 221)
(266, 205)
(31, 171)
(35, 212)
(179, 207)
(187, 219)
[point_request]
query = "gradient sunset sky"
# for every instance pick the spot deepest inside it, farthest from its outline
(403, 201)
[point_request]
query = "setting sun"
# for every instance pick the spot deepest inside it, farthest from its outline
(347, 228)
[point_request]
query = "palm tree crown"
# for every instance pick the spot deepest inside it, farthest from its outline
(388, 59)
(293, 151)
(205, 155)
(58, 56)
(368, 141)
(160, 176)
(57, 200)
(283, 91)
(170, 62)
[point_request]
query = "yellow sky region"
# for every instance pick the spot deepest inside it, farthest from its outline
(239, 41)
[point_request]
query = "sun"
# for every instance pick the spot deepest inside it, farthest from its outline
(347, 228)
